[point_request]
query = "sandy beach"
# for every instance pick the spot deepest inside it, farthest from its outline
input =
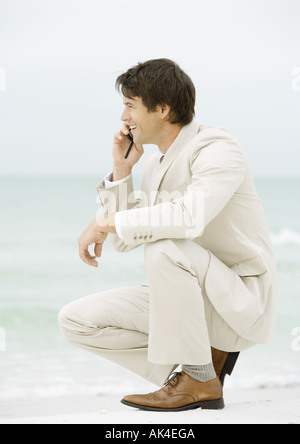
(280, 406)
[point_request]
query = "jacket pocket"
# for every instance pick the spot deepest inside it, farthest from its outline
(250, 267)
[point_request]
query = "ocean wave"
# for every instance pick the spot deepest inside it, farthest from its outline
(56, 389)
(286, 237)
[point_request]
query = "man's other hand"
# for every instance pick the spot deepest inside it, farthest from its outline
(95, 234)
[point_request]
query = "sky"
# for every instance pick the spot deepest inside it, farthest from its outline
(59, 60)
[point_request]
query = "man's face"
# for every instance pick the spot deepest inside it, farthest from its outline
(145, 126)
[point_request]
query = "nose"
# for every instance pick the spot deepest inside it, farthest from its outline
(125, 116)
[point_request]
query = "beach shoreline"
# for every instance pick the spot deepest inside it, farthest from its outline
(278, 406)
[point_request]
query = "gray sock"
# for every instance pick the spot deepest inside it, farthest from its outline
(201, 373)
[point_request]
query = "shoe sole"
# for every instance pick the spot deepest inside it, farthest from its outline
(229, 366)
(218, 404)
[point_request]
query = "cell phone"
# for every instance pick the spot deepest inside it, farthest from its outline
(129, 137)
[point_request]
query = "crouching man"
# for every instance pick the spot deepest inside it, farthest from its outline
(212, 289)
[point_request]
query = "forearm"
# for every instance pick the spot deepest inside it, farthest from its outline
(106, 223)
(116, 197)
(119, 197)
(120, 173)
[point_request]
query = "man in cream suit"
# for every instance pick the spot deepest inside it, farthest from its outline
(212, 289)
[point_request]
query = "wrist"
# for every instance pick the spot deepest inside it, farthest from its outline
(120, 173)
(106, 223)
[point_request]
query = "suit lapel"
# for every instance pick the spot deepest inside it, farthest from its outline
(187, 133)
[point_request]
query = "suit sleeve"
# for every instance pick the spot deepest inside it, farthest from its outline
(217, 172)
(115, 199)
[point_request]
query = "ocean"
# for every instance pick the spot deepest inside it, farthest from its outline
(40, 271)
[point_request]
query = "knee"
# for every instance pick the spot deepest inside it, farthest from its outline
(155, 251)
(80, 318)
(64, 321)
(62, 317)
(169, 253)
(70, 324)
(159, 256)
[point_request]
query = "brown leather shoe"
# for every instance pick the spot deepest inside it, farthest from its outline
(180, 393)
(224, 363)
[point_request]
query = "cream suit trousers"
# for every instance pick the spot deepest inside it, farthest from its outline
(151, 329)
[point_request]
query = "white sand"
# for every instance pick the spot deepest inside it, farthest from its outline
(280, 406)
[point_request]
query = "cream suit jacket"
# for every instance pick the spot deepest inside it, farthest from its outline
(205, 185)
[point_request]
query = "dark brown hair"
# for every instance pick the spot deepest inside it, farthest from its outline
(161, 82)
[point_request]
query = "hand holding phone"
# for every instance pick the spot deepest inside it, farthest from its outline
(126, 153)
(129, 137)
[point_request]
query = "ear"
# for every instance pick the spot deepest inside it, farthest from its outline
(164, 111)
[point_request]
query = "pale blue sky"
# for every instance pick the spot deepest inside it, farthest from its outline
(61, 58)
